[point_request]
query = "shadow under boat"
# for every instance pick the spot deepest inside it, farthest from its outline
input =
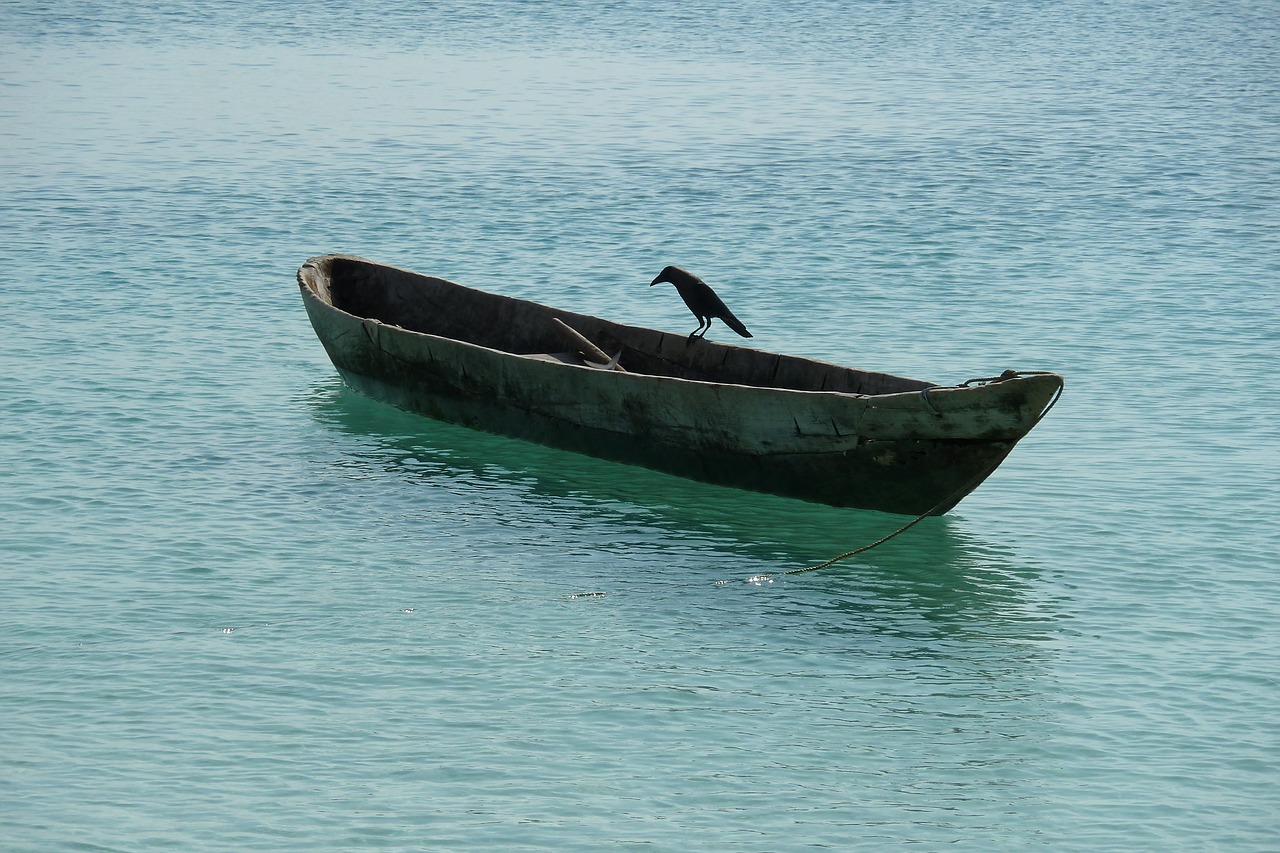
(783, 532)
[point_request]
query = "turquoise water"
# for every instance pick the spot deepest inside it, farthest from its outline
(245, 608)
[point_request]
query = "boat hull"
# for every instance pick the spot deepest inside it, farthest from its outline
(914, 452)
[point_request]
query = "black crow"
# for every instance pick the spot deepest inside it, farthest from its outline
(702, 301)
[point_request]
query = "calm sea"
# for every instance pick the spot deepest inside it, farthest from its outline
(244, 608)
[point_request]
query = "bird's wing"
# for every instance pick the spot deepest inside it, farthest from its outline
(734, 323)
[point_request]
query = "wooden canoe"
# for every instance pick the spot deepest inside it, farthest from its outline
(714, 412)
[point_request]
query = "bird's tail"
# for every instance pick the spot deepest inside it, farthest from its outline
(734, 323)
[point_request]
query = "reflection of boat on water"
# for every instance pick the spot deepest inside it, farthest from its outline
(712, 412)
(457, 457)
(938, 562)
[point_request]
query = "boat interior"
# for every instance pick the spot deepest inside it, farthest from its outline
(438, 307)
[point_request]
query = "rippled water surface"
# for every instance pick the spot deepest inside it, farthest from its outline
(246, 608)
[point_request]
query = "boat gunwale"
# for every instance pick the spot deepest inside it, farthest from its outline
(935, 391)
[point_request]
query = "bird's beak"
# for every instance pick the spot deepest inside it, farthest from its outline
(655, 281)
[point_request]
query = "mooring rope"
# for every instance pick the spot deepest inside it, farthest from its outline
(964, 488)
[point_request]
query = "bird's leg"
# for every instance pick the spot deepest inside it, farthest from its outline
(700, 331)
